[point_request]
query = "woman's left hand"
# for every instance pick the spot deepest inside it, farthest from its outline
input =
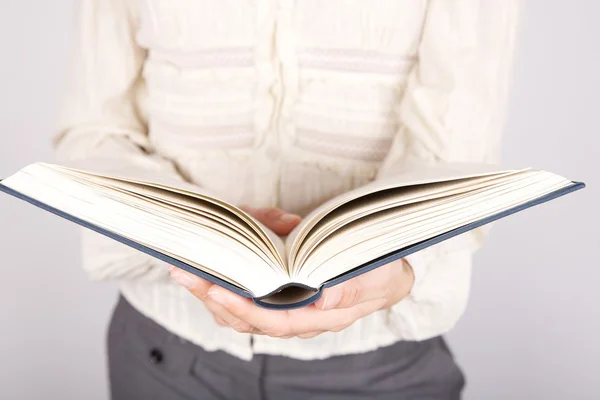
(338, 308)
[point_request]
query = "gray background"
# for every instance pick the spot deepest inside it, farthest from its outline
(529, 332)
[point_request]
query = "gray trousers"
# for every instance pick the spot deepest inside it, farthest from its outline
(148, 362)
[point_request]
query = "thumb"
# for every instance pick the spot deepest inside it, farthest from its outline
(275, 219)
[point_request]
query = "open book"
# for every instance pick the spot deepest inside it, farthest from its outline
(348, 235)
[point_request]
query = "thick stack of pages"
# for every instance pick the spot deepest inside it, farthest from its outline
(348, 235)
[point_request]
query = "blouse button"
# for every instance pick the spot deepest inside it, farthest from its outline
(156, 356)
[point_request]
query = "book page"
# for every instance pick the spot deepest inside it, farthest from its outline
(418, 180)
(400, 218)
(383, 200)
(204, 244)
(146, 178)
(197, 211)
(381, 233)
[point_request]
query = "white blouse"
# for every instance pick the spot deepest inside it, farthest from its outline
(288, 103)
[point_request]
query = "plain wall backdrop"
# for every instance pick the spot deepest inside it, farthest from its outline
(530, 331)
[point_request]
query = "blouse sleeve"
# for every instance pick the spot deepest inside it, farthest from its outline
(101, 127)
(453, 110)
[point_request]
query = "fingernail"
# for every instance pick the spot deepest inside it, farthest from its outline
(183, 278)
(288, 218)
(217, 297)
(332, 299)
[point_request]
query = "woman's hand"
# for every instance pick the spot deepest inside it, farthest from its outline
(338, 308)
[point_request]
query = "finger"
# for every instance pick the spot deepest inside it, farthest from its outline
(310, 335)
(275, 219)
(244, 316)
(228, 319)
(382, 282)
(333, 320)
(200, 287)
(220, 321)
(369, 286)
(196, 285)
(247, 317)
(269, 322)
(294, 322)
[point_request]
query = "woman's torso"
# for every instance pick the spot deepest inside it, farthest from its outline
(276, 102)
(273, 103)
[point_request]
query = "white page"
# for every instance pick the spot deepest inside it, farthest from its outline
(144, 177)
(391, 198)
(152, 229)
(439, 173)
(371, 245)
(403, 218)
(195, 209)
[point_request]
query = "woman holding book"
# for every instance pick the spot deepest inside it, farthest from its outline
(278, 106)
